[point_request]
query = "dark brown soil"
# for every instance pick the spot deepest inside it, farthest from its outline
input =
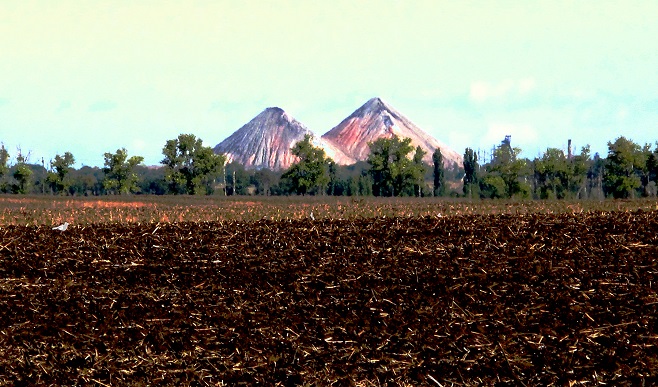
(473, 300)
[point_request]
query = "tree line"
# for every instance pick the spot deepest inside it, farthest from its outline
(628, 171)
(188, 168)
(393, 168)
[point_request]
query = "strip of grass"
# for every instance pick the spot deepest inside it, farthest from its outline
(48, 210)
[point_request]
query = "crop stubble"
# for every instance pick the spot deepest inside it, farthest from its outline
(532, 299)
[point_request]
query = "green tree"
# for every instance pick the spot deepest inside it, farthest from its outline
(263, 180)
(507, 165)
(595, 173)
(191, 168)
(652, 168)
(87, 181)
(60, 168)
(439, 173)
(552, 174)
(4, 167)
(380, 160)
(151, 180)
(652, 164)
(623, 168)
(353, 186)
(310, 174)
(493, 187)
(577, 177)
(364, 185)
(120, 176)
(333, 178)
(416, 173)
(237, 179)
(471, 178)
(22, 173)
(393, 173)
(353, 180)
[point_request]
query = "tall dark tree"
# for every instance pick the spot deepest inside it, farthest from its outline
(652, 168)
(439, 173)
(416, 172)
(310, 174)
(191, 167)
(471, 179)
(652, 164)
(364, 185)
(333, 177)
(60, 168)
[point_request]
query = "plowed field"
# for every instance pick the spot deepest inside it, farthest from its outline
(528, 299)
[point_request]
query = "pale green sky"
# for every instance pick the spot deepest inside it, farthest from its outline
(92, 76)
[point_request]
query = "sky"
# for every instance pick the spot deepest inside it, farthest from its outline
(93, 76)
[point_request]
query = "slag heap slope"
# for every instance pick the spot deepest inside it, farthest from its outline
(376, 119)
(266, 142)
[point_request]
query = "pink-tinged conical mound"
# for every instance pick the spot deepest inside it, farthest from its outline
(376, 119)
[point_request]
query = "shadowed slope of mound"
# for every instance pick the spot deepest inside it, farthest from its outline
(266, 140)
